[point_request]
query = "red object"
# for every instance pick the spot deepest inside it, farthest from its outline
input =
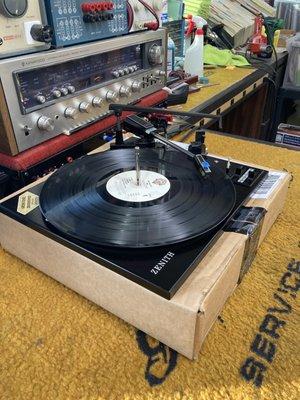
(152, 26)
(60, 143)
(166, 117)
(88, 7)
(199, 31)
(97, 6)
(191, 26)
(258, 43)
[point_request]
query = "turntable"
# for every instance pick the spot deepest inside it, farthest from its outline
(149, 213)
(156, 234)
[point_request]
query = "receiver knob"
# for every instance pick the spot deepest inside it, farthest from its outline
(97, 102)
(159, 73)
(71, 89)
(64, 91)
(155, 55)
(45, 124)
(112, 96)
(136, 86)
(84, 107)
(40, 99)
(70, 112)
(56, 93)
(125, 91)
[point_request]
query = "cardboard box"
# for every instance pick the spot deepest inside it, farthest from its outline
(183, 322)
(288, 136)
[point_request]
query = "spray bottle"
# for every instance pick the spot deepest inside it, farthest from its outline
(193, 63)
(193, 22)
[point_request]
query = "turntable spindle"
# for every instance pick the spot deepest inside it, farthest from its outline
(137, 165)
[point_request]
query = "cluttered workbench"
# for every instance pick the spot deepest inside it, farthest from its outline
(240, 95)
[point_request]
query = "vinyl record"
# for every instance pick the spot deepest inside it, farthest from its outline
(96, 199)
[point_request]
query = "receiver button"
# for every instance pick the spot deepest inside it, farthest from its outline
(71, 89)
(64, 91)
(56, 93)
(40, 99)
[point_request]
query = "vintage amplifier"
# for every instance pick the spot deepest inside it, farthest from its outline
(44, 95)
(23, 27)
(147, 14)
(75, 21)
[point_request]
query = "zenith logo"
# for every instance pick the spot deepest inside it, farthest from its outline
(162, 263)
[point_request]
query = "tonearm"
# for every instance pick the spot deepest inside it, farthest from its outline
(146, 129)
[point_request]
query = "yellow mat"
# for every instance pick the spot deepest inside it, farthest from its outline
(54, 344)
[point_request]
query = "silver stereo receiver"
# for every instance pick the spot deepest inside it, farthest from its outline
(47, 94)
(23, 27)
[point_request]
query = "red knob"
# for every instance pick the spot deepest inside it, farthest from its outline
(88, 7)
(105, 5)
(99, 6)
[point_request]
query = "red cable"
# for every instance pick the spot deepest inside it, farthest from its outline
(130, 15)
(149, 8)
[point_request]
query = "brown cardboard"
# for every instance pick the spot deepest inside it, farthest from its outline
(182, 322)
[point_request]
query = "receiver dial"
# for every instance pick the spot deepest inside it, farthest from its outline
(46, 124)
(13, 8)
(155, 55)
(112, 96)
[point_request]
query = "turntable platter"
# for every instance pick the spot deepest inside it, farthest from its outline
(95, 199)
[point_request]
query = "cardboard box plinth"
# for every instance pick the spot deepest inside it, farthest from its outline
(183, 322)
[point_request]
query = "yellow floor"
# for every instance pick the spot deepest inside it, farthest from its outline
(54, 344)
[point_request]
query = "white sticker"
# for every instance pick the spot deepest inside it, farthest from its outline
(27, 202)
(268, 185)
(124, 186)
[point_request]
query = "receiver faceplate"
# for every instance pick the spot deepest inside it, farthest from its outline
(63, 91)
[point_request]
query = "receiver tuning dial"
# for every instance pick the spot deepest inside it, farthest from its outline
(136, 86)
(124, 91)
(13, 8)
(45, 124)
(112, 96)
(155, 55)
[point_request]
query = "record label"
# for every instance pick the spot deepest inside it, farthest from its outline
(124, 186)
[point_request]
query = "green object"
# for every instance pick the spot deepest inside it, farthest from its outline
(215, 56)
(272, 25)
(198, 7)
